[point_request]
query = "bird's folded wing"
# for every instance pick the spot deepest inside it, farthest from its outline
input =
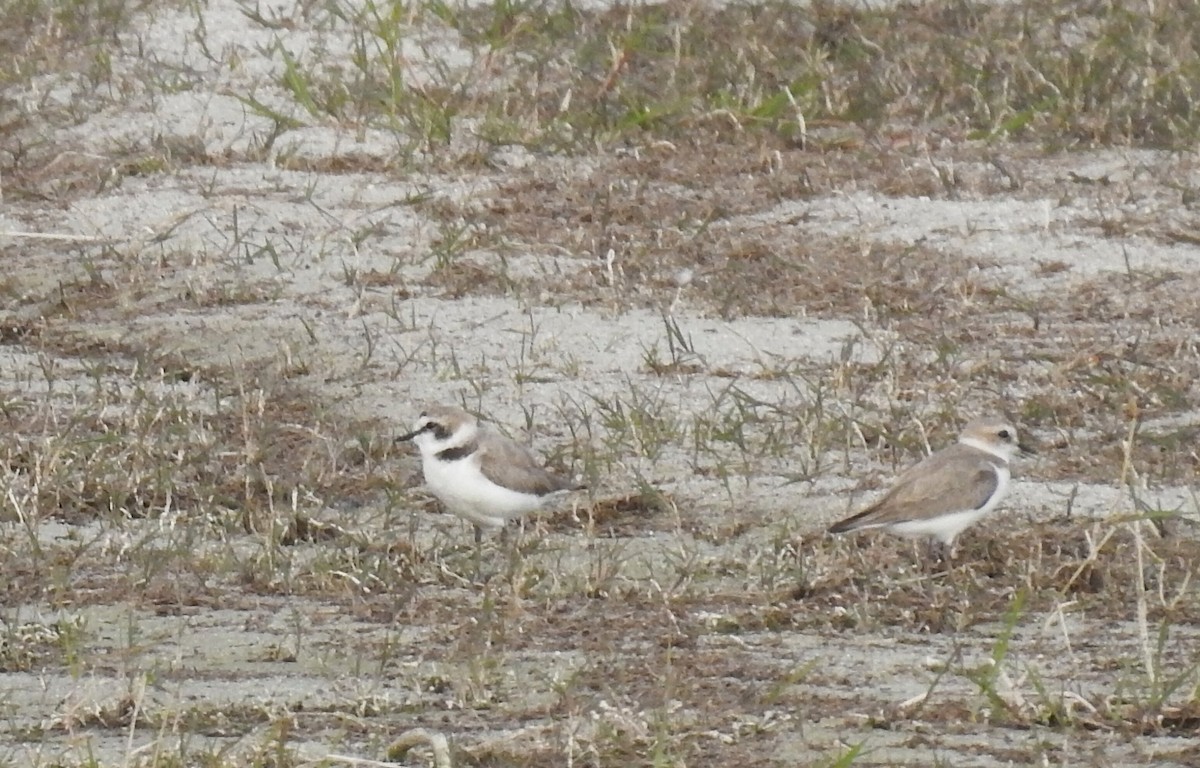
(508, 463)
(938, 488)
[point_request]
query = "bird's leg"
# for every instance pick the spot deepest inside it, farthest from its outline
(512, 549)
(478, 549)
(939, 555)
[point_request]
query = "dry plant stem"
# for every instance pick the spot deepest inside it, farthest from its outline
(1128, 476)
(55, 236)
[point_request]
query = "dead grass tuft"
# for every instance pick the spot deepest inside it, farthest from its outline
(889, 581)
(1065, 73)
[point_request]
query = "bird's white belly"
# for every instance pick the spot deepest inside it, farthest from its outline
(943, 528)
(467, 493)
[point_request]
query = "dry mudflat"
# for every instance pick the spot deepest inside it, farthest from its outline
(241, 245)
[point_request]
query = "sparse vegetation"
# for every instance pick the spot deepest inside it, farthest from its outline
(733, 266)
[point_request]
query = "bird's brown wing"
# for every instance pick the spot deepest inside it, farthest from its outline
(508, 463)
(951, 481)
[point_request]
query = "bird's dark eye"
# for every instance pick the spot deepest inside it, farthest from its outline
(1005, 434)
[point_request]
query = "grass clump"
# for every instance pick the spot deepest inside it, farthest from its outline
(557, 78)
(1061, 72)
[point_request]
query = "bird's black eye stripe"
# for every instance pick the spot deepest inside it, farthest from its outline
(439, 430)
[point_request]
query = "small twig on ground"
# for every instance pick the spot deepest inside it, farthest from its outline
(398, 748)
(436, 741)
(54, 236)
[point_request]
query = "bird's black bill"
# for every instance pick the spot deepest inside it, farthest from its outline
(439, 431)
(1026, 449)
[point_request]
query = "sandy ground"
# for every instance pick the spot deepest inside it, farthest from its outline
(705, 622)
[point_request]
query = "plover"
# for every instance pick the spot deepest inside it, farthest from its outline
(479, 474)
(950, 489)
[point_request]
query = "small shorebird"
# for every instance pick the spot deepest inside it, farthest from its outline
(479, 474)
(950, 489)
